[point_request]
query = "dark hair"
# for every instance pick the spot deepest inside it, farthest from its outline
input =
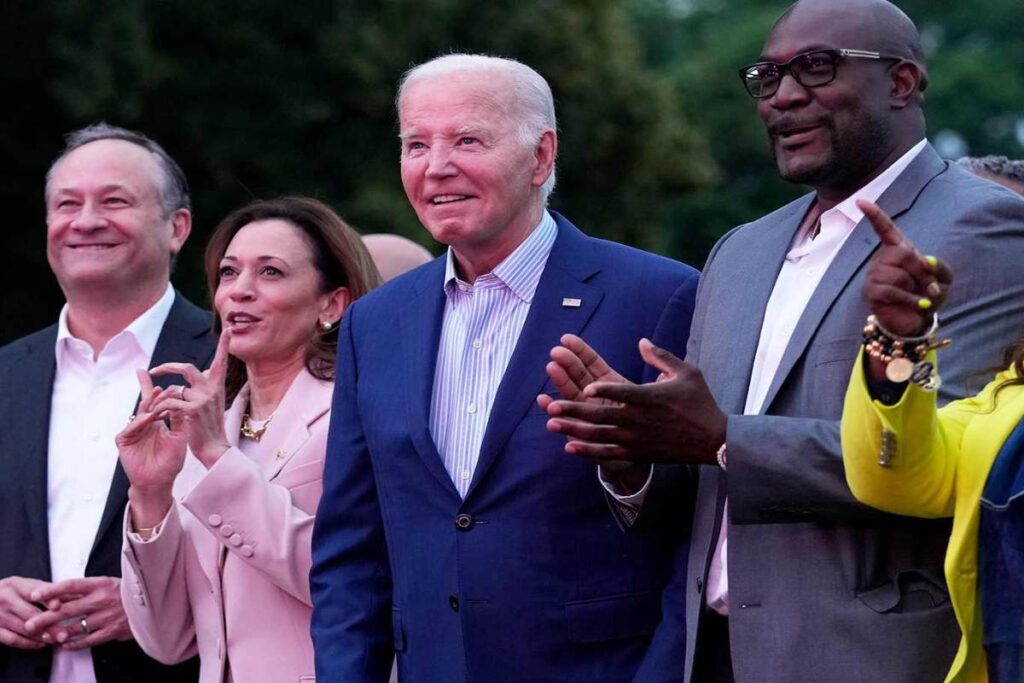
(339, 256)
(1013, 355)
(997, 166)
(172, 185)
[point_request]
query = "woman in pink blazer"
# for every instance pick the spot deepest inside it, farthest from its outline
(217, 531)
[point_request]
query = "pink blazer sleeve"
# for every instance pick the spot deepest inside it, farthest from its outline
(154, 593)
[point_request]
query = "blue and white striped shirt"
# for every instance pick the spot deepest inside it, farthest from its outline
(482, 323)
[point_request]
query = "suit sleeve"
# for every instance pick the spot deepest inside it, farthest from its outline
(154, 592)
(269, 531)
(351, 577)
(789, 469)
(670, 333)
(670, 504)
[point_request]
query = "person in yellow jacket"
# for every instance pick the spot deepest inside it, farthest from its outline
(904, 455)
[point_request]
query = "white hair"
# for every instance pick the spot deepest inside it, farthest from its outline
(530, 95)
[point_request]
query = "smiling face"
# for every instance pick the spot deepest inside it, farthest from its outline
(270, 294)
(106, 229)
(836, 135)
(472, 182)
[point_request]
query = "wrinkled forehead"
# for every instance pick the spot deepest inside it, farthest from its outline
(106, 163)
(818, 29)
(472, 98)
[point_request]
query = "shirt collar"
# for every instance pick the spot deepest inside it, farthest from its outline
(874, 189)
(520, 271)
(145, 329)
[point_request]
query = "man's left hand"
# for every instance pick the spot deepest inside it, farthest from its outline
(87, 612)
(674, 419)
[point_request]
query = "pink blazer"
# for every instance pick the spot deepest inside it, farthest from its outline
(227, 574)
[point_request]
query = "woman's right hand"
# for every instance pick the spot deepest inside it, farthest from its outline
(152, 454)
(903, 288)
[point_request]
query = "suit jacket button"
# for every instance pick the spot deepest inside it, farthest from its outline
(235, 540)
(453, 602)
(214, 520)
(226, 530)
(464, 522)
(246, 550)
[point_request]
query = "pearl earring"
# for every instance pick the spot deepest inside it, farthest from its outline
(326, 325)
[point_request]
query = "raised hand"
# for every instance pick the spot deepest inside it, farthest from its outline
(903, 288)
(197, 410)
(574, 366)
(674, 419)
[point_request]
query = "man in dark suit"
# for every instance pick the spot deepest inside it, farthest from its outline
(452, 530)
(117, 213)
(790, 578)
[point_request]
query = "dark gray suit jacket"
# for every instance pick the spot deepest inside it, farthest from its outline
(27, 368)
(820, 586)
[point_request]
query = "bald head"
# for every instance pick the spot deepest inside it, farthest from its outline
(394, 254)
(875, 25)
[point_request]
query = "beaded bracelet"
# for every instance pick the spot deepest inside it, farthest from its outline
(903, 357)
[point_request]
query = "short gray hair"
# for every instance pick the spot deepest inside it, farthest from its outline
(172, 185)
(534, 106)
(998, 166)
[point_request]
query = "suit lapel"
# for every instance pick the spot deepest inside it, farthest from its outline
(34, 379)
(307, 399)
(184, 338)
(764, 261)
(421, 322)
(861, 243)
(569, 266)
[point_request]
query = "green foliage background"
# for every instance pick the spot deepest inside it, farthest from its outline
(659, 145)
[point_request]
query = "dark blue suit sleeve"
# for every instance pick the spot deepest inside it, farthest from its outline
(665, 659)
(350, 579)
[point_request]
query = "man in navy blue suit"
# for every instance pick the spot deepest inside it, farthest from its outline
(453, 530)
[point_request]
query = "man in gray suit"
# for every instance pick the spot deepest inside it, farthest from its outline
(788, 578)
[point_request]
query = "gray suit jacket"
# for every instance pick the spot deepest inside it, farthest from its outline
(820, 586)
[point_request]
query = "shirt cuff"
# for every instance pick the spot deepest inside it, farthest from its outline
(134, 536)
(633, 501)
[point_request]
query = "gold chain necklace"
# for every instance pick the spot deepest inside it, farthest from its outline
(257, 433)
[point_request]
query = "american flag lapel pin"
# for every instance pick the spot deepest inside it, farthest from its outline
(569, 302)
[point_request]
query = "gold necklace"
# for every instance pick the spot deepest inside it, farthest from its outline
(257, 433)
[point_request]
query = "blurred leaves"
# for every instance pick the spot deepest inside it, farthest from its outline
(659, 145)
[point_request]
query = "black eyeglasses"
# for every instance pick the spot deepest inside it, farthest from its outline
(810, 69)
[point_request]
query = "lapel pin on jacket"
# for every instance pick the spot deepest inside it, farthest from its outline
(569, 302)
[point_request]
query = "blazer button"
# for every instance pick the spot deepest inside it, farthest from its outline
(226, 530)
(246, 550)
(464, 522)
(235, 540)
(214, 520)
(453, 602)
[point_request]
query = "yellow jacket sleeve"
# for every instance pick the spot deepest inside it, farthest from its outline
(921, 478)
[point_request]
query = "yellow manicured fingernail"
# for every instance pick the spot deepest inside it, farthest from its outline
(924, 304)
(932, 261)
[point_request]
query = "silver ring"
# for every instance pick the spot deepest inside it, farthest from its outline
(181, 393)
(84, 623)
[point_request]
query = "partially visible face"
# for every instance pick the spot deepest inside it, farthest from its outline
(104, 223)
(465, 172)
(834, 135)
(270, 293)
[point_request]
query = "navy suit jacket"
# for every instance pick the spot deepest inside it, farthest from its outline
(529, 577)
(27, 368)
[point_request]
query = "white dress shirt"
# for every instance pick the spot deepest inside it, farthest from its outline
(91, 402)
(482, 323)
(806, 264)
